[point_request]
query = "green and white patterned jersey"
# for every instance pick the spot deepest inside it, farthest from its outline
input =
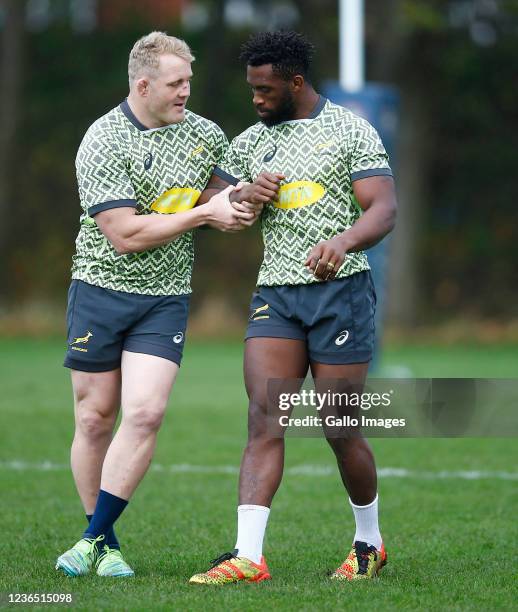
(321, 157)
(159, 171)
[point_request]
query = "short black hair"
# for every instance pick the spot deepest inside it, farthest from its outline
(288, 52)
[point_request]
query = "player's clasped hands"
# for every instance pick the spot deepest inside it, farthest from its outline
(326, 258)
(225, 216)
(252, 197)
(245, 204)
(264, 189)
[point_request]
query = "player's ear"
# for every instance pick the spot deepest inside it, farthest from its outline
(298, 82)
(142, 86)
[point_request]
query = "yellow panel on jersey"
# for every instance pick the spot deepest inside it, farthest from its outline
(298, 194)
(176, 200)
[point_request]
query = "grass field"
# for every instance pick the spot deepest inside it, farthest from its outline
(451, 541)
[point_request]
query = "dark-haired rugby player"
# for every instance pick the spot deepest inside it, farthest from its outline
(314, 304)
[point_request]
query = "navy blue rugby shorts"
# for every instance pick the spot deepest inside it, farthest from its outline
(101, 323)
(334, 318)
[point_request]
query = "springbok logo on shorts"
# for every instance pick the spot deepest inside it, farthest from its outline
(178, 338)
(81, 340)
(342, 338)
(257, 311)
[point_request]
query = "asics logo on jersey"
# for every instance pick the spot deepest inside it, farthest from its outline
(342, 338)
(270, 155)
(81, 340)
(298, 194)
(178, 338)
(176, 200)
(197, 151)
(258, 311)
(148, 160)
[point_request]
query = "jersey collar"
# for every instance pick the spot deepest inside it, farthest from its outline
(125, 108)
(318, 108)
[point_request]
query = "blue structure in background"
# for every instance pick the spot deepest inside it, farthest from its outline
(379, 104)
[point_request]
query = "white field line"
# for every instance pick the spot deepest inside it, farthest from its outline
(299, 470)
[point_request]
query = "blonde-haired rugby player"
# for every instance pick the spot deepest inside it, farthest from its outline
(129, 297)
(314, 305)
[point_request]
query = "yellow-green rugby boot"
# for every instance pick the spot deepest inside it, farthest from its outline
(111, 563)
(80, 559)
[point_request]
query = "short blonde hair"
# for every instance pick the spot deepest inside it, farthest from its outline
(146, 52)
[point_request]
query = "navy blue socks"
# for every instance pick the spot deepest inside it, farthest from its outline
(107, 510)
(109, 537)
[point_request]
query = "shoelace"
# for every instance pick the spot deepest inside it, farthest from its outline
(93, 542)
(107, 550)
(363, 557)
(224, 557)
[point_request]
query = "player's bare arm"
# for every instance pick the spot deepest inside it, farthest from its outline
(377, 197)
(132, 233)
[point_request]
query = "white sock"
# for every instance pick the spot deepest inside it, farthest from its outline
(367, 528)
(251, 525)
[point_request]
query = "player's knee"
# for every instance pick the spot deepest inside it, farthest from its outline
(92, 422)
(257, 419)
(145, 418)
(336, 445)
(343, 445)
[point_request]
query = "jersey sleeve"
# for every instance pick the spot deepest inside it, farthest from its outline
(102, 177)
(367, 155)
(234, 165)
(220, 145)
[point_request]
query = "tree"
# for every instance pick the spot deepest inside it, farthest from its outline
(11, 77)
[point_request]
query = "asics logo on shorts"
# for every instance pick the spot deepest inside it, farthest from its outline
(178, 338)
(342, 338)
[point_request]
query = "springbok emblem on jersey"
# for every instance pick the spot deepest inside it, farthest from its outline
(259, 310)
(197, 151)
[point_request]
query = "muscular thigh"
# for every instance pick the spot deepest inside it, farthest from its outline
(99, 391)
(273, 359)
(354, 373)
(343, 380)
(147, 381)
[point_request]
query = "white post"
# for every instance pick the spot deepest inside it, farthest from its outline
(352, 70)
